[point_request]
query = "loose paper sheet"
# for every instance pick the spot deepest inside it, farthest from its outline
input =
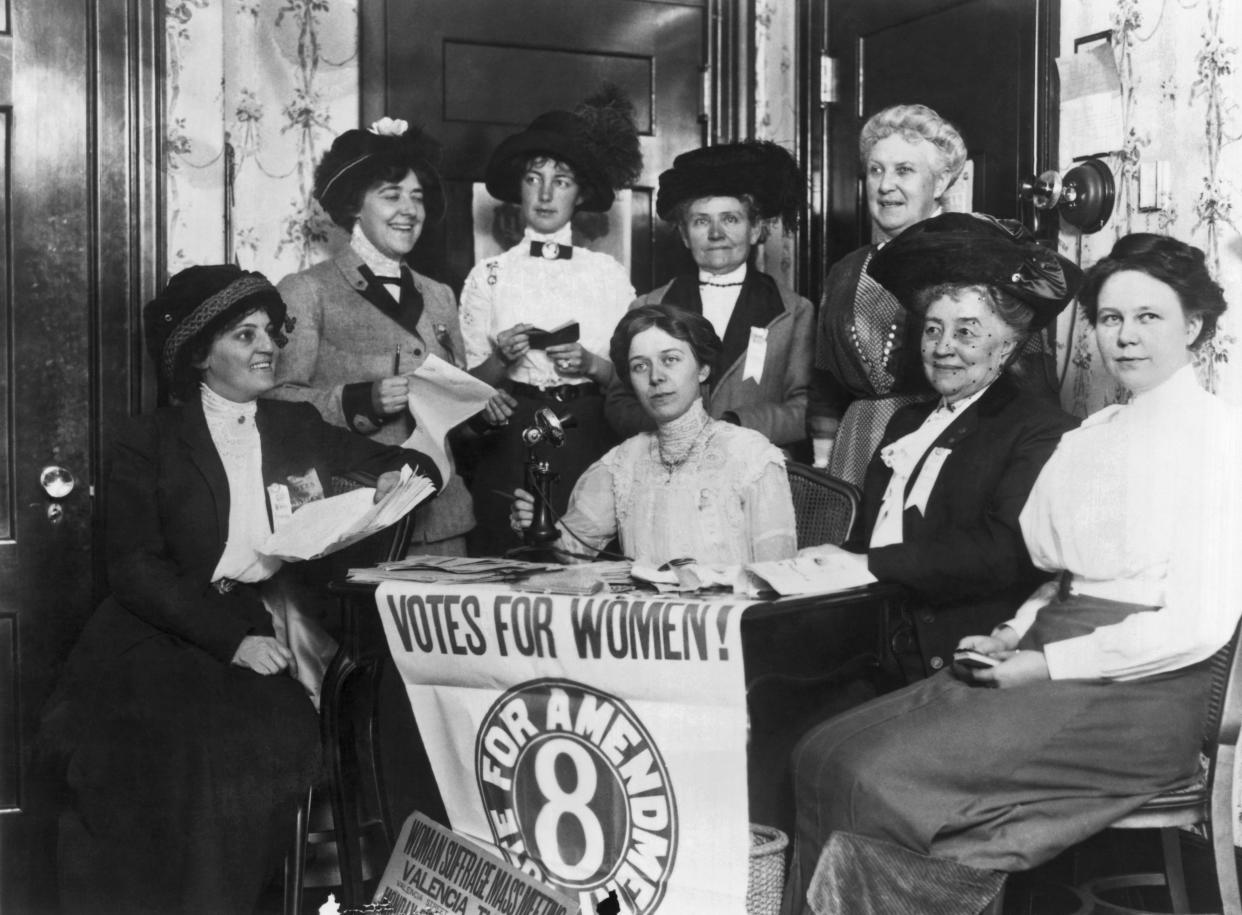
(815, 570)
(327, 525)
(441, 397)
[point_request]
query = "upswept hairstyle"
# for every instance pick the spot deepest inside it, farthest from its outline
(1179, 266)
(687, 326)
(916, 122)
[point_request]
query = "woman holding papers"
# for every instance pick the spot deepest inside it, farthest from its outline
(537, 318)
(696, 488)
(366, 320)
(186, 733)
(1097, 686)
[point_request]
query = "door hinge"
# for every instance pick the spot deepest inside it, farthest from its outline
(829, 82)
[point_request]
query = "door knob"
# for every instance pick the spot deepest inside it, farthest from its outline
(56, 481)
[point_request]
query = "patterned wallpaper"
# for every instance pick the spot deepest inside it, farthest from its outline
(776, 113)
(255, 92)
(1180, 102)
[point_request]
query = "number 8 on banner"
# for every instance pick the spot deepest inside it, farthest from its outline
(576, 792)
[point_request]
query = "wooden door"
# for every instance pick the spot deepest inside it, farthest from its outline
(982, 64)
(472, 72)
(73, 89)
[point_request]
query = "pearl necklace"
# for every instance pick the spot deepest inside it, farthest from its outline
(888, 345)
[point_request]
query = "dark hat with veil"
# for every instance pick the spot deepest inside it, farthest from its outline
(973, 249)
(598, 140)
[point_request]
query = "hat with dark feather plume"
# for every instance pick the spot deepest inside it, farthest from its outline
(597, 139)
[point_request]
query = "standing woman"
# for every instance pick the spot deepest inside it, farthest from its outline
(186, 739)
(719, 197)
(365, 319)
(866, 352)
(562, 163)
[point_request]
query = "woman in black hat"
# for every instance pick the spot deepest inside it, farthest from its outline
(562, 163)
(186, 737)
(365, 318)
(925, 799)
(719, 197)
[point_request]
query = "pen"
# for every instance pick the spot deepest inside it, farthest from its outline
(506, 495)
(396, 361)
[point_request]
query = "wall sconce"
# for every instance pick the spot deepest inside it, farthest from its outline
(1084, 197)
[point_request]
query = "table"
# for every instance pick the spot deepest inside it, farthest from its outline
(790, 646)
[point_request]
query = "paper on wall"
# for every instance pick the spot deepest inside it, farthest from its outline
(442, 396)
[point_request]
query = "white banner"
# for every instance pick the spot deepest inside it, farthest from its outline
(598, 743)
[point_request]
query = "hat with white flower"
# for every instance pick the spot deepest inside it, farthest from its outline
(598, 140)
(385, 151)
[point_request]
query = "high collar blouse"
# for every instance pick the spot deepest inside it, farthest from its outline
(1143, 504)
(516, 287)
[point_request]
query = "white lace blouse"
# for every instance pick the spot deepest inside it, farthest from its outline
(723, 499)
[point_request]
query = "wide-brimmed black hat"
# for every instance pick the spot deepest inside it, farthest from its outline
(762, 170)
(598, 140)
(976, 249)
(357, 159)
(196, 303)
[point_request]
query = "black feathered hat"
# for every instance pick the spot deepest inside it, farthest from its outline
(358, 159)
(761, 169)
(598, 140)
(196, 304)
(976, 249)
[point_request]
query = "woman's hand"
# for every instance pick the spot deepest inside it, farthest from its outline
(386, 482)
(513, 344)
(572, 360)
(499, 408)
(263, 654)
(1018, 669)
(522, 512)
(390, 395)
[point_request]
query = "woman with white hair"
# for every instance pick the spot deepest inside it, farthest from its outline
(866, 353)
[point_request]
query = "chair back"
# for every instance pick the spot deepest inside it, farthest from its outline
(1224, 712)
(824, 507)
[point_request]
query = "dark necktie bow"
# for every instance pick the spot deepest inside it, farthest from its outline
(551, 251)
(390, 280)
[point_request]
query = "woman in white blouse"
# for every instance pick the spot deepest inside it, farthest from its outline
(695, 488)
(939, 790)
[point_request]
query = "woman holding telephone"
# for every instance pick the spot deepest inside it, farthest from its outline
(537, 318)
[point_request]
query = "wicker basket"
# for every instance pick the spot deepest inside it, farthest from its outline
(765, 882)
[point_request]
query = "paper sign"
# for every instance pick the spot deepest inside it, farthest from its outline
(433, 870)
(598, 742)
(442, 396)
(756, 354)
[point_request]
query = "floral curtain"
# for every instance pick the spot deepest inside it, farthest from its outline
(776, 113)
(255, 91)
(1180, 97)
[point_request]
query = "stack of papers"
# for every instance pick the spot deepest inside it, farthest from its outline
(327, 525)
(451, 570)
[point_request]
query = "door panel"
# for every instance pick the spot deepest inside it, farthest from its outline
(982, 64)
(76, 180)
(471, 72)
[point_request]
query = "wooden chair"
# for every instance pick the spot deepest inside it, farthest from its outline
(1209, 801)
(386, 546)
(824, 507)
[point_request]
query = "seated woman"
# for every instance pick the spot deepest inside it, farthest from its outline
(719, 197)
(942, 494)
(924, 799)
(187, 738)
(696, 487)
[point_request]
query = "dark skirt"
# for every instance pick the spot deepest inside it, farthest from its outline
(990, 779)
(184, 771)
(501, 465)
